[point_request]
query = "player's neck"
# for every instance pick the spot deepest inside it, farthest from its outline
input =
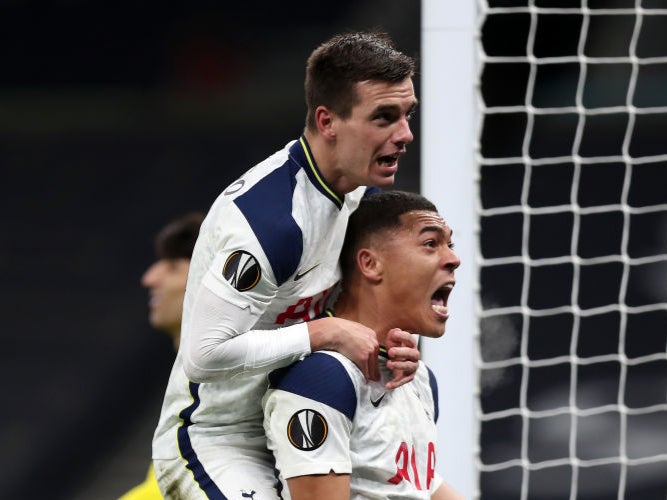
(324, 153)
(364, 309)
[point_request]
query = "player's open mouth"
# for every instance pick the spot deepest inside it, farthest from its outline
(153, 300)
(388, 160)
(439, 300)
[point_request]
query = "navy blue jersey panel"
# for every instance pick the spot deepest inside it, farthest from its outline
(319, 377)
(192, 462)
(267, 207)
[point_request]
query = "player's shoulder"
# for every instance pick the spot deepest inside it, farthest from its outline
(322, 376)
(262, 201)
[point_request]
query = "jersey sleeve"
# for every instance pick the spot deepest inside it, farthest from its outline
(233, 285)
(308, 415)
(215, 349)
(237, 268)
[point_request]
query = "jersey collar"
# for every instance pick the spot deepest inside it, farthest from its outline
(301, 153)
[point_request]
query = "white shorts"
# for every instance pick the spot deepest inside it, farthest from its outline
(217, 474)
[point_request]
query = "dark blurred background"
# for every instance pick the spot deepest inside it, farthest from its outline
(113, 120)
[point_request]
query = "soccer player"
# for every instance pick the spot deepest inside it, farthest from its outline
(266, 260)
(165, 280)
(333, 434)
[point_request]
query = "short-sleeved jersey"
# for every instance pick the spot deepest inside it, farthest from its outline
(321, 416)
(268, 248)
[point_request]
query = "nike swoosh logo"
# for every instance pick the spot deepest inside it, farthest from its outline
(298, 276)
(377, 402)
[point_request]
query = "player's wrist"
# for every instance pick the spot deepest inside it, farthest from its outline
(321, 335)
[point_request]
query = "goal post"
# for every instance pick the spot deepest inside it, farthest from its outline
(447, 159)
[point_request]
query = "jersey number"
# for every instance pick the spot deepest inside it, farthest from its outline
(405, 458)
(305, 309)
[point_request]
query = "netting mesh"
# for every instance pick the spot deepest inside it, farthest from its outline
(572, 346)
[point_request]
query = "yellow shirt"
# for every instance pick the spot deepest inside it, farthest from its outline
(148, 490)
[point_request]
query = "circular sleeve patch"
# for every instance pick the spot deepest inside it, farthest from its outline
(242, 270)
(307, 430)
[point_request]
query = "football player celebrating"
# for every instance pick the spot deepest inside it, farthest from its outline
(335, 435)
(266, 260)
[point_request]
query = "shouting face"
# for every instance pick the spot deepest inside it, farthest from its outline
(418, 264)
(370, 141)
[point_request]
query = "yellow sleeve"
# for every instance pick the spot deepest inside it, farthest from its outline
(148, 490)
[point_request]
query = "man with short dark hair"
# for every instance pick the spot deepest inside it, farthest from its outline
(336, 436)
(267, 260)
(166, 277)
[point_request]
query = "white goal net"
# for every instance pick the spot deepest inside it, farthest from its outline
(570, 236)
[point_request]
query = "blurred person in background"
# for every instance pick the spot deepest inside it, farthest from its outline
(165, 280)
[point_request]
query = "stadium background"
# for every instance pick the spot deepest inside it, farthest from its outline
(115, 118)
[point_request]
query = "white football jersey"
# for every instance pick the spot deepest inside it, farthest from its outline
(268, 251)
(321, 416)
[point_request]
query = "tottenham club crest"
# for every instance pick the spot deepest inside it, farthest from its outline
(242, 270)
(307, 430)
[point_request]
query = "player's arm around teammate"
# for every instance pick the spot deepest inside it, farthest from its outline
(357, 128)
(266, 262)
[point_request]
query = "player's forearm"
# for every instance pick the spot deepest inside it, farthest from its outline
(322, 336)
(215, 346)
(250, 351)
(338, 334)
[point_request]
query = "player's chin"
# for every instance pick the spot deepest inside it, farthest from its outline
(383, 182)
(434, 332)
(432, 326)
(384, 173)
(156, 322)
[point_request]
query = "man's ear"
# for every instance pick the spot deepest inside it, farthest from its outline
(324, 119)
(369, 264)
